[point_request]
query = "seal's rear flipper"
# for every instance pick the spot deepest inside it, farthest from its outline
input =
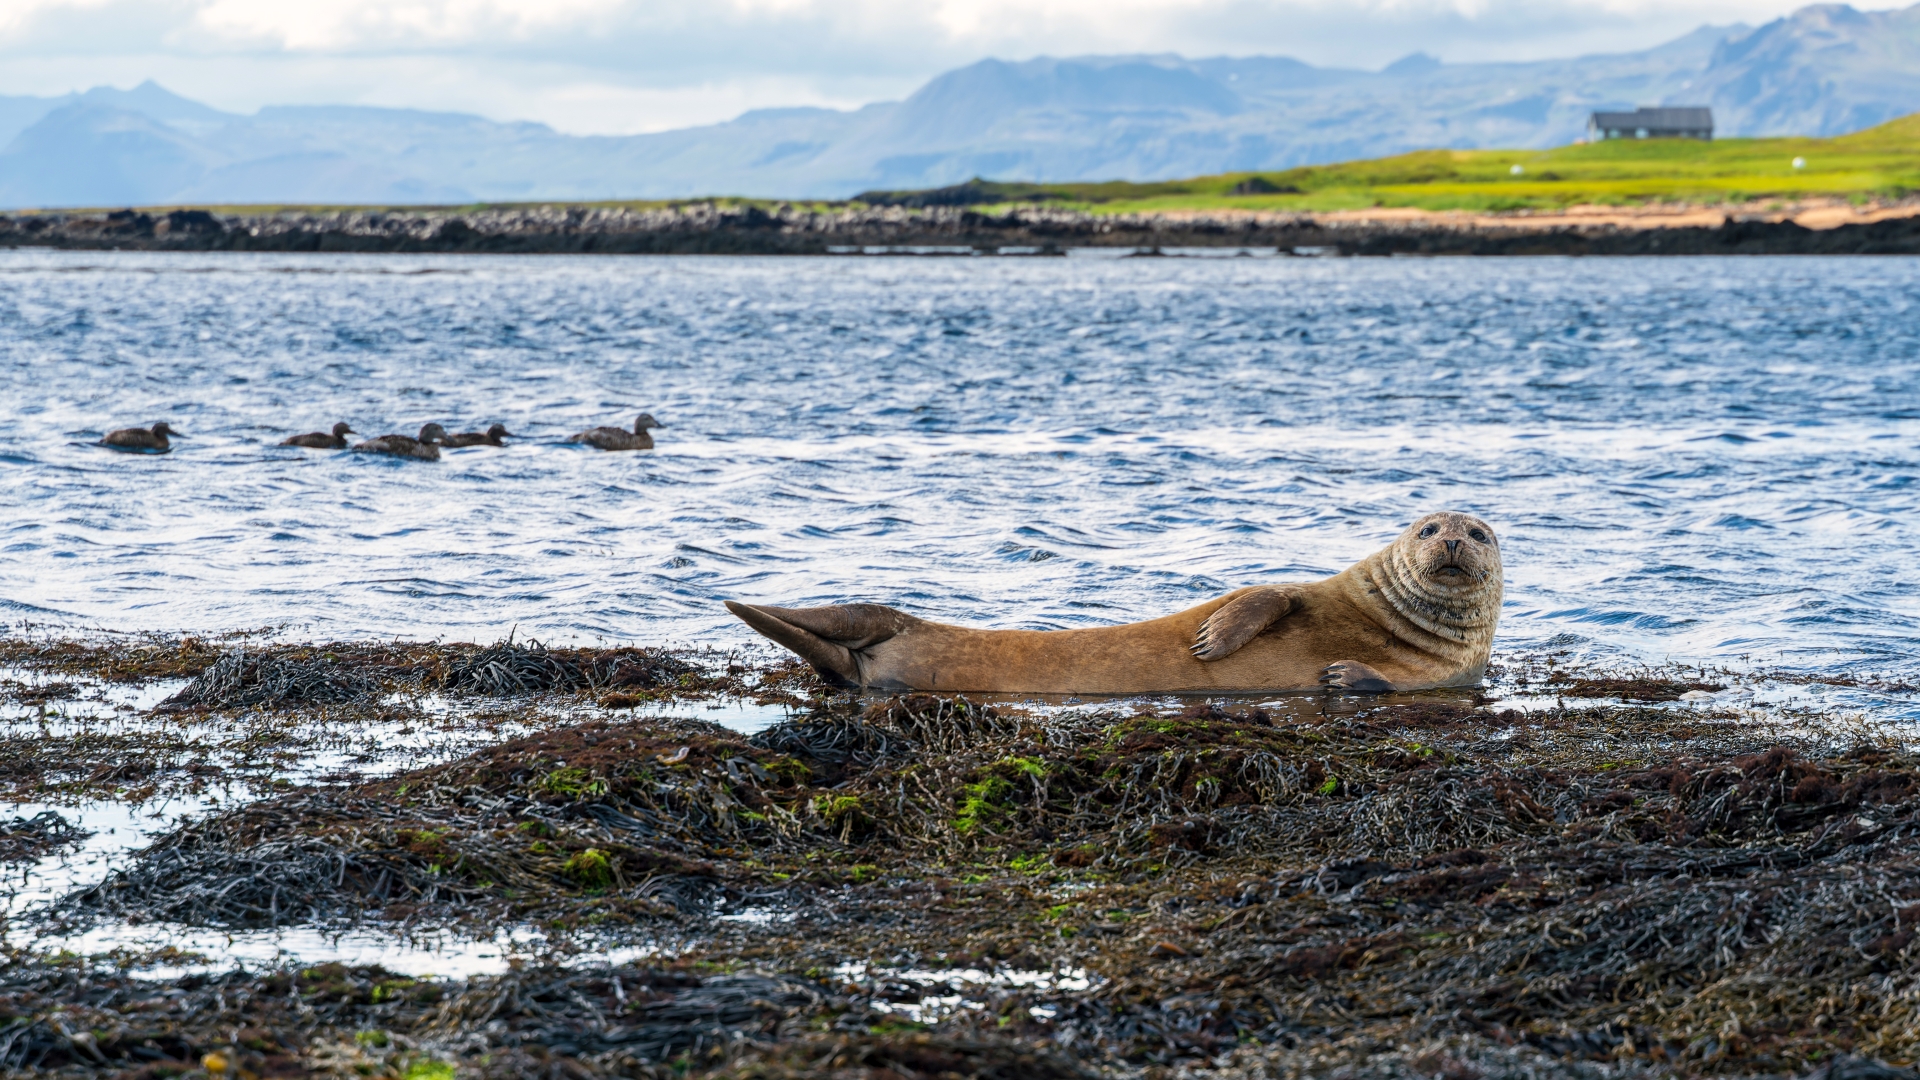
(827, 637)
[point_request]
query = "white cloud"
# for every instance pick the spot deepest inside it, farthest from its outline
(618, 66)
(362, 24)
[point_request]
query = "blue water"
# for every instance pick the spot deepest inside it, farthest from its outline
(1708, 459)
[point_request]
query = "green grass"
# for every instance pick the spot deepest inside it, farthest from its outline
(1878, 163)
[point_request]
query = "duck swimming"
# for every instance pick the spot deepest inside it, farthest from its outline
(490, 437)
(422, 448)
(612, 438)
(320, 440)
(135, 440)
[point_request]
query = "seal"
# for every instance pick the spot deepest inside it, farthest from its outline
(489, 437)
(612, 438)
(320, 440)
(1417, 614)
(403, 446)
(135, 440)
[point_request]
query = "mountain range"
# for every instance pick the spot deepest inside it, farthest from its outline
(1823, 70)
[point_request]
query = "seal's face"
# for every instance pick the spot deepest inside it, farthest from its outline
(1451, 552)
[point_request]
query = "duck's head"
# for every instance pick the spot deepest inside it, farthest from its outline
(499, 431)
(161, 430)
(341, 428)
(432, 433)
(644, 422)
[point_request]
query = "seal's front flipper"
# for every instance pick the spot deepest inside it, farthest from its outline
(1356, 677)
(1240, 620)
(829, 638)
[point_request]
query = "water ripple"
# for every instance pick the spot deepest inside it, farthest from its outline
(1687, 458)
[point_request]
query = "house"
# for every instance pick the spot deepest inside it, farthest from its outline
(1663, 122)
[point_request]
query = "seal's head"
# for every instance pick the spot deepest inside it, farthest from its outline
(1443, 574)
(1450, 552)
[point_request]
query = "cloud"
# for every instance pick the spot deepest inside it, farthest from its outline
(618, 66)
(360, 24)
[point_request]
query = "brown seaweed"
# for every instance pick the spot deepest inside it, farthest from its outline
(1422, 886)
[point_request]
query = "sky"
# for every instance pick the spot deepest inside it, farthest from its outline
(628, 66)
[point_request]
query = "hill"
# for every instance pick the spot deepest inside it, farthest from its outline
(1880, 163)
(1821, 71)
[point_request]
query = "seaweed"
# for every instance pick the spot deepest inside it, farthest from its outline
(507, 668)
(1410, 887)
(37, 695)
(369, 1021)
(76, 1018)
(139, 658)
(41, 834)
(243, 678)
(277, 678)
(284, 675)
(1635, 689)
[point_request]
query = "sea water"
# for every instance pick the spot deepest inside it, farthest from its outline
(1702, 459)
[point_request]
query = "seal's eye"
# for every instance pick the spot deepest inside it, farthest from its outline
(1477, 535)
(1429, 531)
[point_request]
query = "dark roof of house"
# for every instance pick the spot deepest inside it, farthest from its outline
(1678, 117)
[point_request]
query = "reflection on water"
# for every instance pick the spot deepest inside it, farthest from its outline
(733, 714)
(937, 995)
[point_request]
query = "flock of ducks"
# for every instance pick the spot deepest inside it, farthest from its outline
(156, 439)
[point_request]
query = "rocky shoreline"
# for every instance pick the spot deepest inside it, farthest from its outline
(1639, 874)
(707, 228)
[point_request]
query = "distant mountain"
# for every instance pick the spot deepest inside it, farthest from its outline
(1823, 70)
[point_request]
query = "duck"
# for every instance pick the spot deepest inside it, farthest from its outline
(135, 440)
(612, 438)
(320, 440)
(490, 437)
(402, 446)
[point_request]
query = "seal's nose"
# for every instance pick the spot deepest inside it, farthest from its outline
(1453, 545)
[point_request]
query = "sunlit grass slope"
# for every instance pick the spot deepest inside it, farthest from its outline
(1880, 162)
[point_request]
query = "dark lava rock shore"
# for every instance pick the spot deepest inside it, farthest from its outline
(712, 229)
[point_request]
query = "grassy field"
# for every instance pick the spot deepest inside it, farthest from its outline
(1878, 163)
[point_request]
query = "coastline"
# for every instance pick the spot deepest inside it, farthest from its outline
(714, 228)
(568, 870)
